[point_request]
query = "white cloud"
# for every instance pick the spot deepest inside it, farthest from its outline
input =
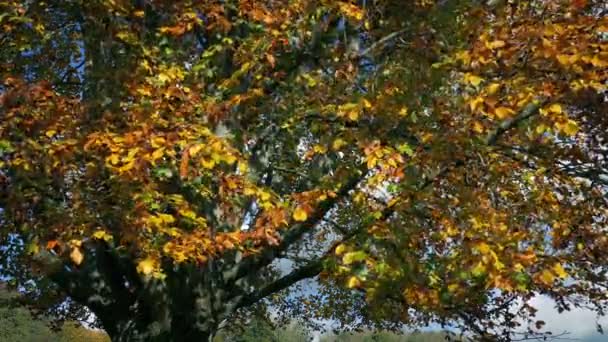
(580, 323)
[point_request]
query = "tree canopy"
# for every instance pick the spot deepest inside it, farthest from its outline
(171, 165)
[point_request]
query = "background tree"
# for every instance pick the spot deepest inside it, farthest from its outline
(388, 337)
(169, 165)
(18, 324)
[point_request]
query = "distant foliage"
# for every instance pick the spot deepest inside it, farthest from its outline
(262, 330)
(18, 325)
(387, 337)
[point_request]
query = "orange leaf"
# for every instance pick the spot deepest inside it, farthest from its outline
(183, 166)
(76, 256)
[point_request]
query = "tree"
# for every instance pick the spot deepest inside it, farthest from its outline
(388, 337)
(169, 165)
(18, 324)
(260, 329)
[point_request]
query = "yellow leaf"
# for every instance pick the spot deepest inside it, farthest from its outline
(76, 256)
(146, 266)
(163, 77)
(570, 128)
(243, 167)
(126, 167)
(33, 248)
(195, 149)
(352, 257)
(493, 88)
(319, 149)
(472, 79)
(353, 115)
(264, 196)
(351, 10)
(453, 288)
(300, 214)
(547, 277)
(567, 59)
(102, 235)
(476, 103)
(114, 159)
(597, 62)
(478, 270)
(340, 249)
(353, 282)
(157, 142)
(483, 248)
(158, 153)
(207, 163)
(367, 104)
(541, 129)
(559, 270)
(166, 218)
(230, 159)
(249, 191)
(50, 133)
(124, 35)
(371, 162)
(144, 91)
(496, 44)
(338, 144)
(555, 108)
(403, 111)
(478, 127)
(503, 112)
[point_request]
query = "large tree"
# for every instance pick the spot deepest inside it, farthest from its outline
(170, 164)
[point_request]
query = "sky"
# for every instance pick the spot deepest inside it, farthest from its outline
(580, 323)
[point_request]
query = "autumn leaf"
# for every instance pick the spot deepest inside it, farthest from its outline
(473, 80)
(51, 244)
(503, 112)
(76, 256)
(559, 270)
(340, 249)
(353, 282)
(353, 257)
(300, 214)
(146, 266)
(102, 235)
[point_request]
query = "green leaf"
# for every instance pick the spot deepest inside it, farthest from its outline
(353, 257)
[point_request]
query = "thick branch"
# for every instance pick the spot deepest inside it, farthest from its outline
(310, 270)
(383, 40)
(528, 111)
(294, 234)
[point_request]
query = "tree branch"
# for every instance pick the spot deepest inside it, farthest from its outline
(382, 40)
(292, 235)
(307, 271)
(528, 111)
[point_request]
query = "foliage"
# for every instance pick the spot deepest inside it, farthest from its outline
(18, 324)
(76, 332)
(386, 337)
(260, 329)
(171, 165)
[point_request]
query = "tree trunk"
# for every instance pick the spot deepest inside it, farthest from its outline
(134, 330)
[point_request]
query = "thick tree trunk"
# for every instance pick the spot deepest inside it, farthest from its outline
(183, 307)
(134, 330)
